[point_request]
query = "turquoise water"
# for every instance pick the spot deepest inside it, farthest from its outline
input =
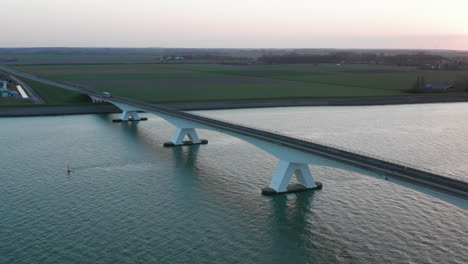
(129, 200)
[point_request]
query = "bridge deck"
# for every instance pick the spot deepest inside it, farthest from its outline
(402, 172)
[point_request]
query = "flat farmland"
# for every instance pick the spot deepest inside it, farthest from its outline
(162, 83)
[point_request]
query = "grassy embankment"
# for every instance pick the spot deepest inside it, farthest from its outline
(158, 83)
(8, 102)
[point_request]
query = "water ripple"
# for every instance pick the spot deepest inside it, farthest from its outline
(129, 200)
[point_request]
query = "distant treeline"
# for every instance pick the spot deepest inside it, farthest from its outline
(202, 56)
(188, 53)
(419, 59)
(100, 51)
(432, 59)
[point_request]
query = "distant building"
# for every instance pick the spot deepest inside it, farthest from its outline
(173, 58)
(4, 92)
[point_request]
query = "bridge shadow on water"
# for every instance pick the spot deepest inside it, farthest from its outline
(290, 210)
(129, 129)
(185, 157)
(182, 157)
(290, 227)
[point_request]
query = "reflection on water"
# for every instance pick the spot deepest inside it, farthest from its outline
(185, 157)
(289, 224)
(130, 200)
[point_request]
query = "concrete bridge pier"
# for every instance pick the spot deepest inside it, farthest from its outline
(182, 133)
(96, 99)
(283, 175)
(130, 116)
(184, 130)
(129, 113)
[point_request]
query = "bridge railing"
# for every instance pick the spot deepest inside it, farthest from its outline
(324, 144)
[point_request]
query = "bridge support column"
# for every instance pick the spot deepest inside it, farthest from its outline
(130, 116)
(282, 177)
(96, 100)
(181, 133)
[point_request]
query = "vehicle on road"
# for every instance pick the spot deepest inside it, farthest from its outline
(106, 94)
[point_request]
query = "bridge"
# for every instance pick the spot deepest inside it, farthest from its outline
(294, 154)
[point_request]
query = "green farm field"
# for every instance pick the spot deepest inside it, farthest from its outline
(162, 83)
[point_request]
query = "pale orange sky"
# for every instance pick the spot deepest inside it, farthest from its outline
(236, 24)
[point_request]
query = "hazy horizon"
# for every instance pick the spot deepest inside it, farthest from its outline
(223, 48)
(360, 24)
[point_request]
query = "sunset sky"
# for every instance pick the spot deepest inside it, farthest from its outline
(415, 24)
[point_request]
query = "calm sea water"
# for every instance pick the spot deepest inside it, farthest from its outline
(129, 200)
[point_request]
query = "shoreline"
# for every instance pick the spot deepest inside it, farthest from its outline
(362, 101)
(365, 101)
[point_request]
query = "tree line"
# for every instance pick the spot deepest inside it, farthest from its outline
(418, 59)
